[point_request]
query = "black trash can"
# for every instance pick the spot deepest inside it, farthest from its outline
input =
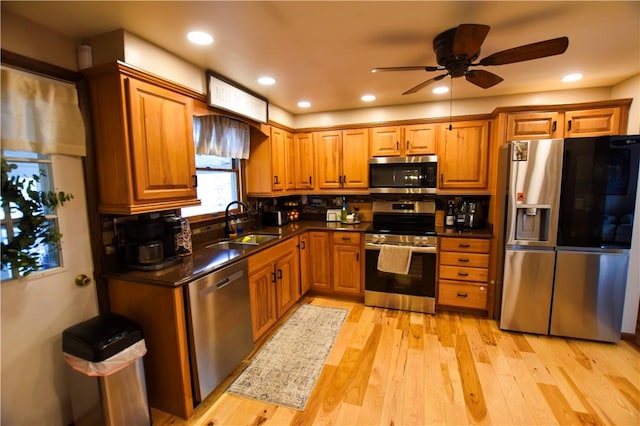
(106, 371)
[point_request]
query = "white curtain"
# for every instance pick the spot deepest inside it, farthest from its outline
(40, 115)
(221, 136)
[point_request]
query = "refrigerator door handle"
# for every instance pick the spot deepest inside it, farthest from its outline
(608, 250)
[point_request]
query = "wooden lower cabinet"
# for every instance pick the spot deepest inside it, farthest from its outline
(336, 264)
(320, 260)
(160, 311)
(274, 284)
(347, 263)
(463, 271)
(305, 279)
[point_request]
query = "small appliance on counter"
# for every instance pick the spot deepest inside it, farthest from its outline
(274, 218)
(333, 215)
(150, 244)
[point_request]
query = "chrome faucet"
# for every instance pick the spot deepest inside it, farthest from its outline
(227, 229)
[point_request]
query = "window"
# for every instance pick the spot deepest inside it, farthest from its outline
(29, 164)
(218, 184)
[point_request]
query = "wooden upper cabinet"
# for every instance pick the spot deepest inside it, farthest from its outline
(328, 159)
(385, 141)
(144, 150)
(304, 160)
(420, 139)
(289, 161)
(417, 139)
(463, 155)
(278, 159)
(592, 122)
(561, 124)
(342, 159)
(355, 159)
(537, 125)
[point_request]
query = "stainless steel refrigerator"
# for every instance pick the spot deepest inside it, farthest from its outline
(568, 213)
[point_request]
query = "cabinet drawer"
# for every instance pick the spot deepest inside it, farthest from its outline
(463, 274)
(474, 260)
(469, 245)
(461, 294)
(346, 237)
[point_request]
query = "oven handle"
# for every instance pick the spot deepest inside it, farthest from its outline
(414, 249)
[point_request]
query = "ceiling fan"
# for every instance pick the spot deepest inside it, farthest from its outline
(457, 48)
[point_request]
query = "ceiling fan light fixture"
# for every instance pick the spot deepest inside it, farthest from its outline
(200, 37)
(572, 77)
(368, 98)
(267, 81)
(441, 90)
(304, 104)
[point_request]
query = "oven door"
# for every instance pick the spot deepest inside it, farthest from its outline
(415, 291)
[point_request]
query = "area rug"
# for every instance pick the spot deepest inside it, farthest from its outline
(285, 370)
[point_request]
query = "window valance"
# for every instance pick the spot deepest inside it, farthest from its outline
(40, 115)
(221, 136)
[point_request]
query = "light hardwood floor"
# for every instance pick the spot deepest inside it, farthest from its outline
(398, 368)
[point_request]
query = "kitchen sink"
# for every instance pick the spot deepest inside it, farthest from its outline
(243, 242)
(254, 239)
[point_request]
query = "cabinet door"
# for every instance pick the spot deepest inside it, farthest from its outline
(287, 282)
(355, 158)
(420, 139)
(278, 159)
(289, 161)
(163, 161)
(594, 122)
(539, 125)
(328, 154)
(385, 141)
(263, 299)
(304, 160)
(346, 268)
(462, 155)
(320, 260)
(305, 278)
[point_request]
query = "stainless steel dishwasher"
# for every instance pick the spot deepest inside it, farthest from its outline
(219, 323)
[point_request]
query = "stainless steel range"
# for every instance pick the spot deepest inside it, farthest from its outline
(409, 224)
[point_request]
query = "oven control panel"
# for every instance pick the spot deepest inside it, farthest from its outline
(405, 240)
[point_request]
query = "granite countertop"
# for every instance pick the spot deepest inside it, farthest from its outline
(205, 259)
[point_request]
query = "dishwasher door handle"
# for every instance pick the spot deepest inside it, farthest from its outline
(214, 286)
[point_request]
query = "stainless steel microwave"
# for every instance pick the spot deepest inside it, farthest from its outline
(403, 175)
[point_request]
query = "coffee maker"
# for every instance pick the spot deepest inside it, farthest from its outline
(148, 244)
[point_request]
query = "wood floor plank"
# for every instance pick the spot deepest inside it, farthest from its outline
(540, 409)
(561, 409)
(412, 404)
(627, 389)
(394, 393)
(493, 396)
(473, 394)
(514, 401)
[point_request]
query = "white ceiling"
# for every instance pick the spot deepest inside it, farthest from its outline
(323, 51)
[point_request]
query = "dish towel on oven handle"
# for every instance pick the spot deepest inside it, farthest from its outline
(394, 259)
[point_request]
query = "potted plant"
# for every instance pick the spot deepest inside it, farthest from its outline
(20, 193)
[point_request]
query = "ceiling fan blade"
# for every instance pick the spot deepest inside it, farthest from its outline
(482, 78)
(415, 68)
(469, 38)
(424, 84)
(527, 52)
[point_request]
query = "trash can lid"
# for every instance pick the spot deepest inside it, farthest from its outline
(101, 337)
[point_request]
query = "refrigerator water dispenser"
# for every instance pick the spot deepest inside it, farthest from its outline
(532, 223)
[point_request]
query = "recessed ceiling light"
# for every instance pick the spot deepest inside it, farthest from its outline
(200, 37)
(368, 98)
(440, 90)
(267, 81)
(304, 104)
(572, 77)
